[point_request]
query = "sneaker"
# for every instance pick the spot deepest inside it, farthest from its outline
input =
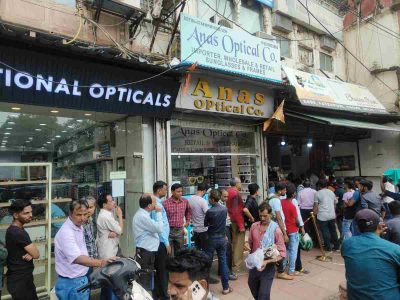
(285, 276)
(213, 280)
(304, 271)
(233, 276)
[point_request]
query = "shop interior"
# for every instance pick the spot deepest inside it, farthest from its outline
(81, 147)
(303, 145)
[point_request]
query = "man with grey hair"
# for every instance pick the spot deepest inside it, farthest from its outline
(90, 229)
(235, 209)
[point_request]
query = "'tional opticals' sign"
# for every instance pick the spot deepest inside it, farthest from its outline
(217, 47)
(29, 77)
(221, 96)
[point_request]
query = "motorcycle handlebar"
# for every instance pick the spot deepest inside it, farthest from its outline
(84, 287)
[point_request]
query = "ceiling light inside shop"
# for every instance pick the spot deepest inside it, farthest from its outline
(38, 129)
(309, 144)
(88, 115)
(11, 123)
(54, 111)
(48, 142)
(42, 124)
(3, 146)
(16, 108)
(58, 136)
(70, 126)
(8, 128)
(330, 145)
(7, 133)
(28, 141)
(80, 121)
(283, 142)
(31, 138)
(64, 131)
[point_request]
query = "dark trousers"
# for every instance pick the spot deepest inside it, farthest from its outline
(21, 287)
(260, 283)
(299, 265)
(176, 239)
(107, 293)
(161, 276)
(200, 240)
(146, 260)
(228, 250)
(218, 243)
(328, 229)
(309, 226)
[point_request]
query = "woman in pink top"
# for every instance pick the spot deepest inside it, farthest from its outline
(264, 234)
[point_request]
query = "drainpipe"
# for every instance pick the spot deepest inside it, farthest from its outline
(358, 158)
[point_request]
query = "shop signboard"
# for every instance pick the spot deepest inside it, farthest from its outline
(207, 140)
(221, 96)
(318, 91)
(269, 3)
(344, 163)
(34, 78)
(217, 47)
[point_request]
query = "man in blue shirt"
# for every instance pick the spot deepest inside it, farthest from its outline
(145, 232)
(164, 250)
(371, 262)
(215, 220)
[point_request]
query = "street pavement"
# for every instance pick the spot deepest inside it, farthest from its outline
(321, 284)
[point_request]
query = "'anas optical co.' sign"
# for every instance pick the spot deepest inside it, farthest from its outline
(226, 97)
(235, 51)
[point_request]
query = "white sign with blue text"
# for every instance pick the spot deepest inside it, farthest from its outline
(269, 3)
(236, 51)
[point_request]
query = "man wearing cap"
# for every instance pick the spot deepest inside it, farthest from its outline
(371, 262)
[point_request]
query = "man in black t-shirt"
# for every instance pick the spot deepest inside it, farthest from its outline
(250, 209)
(21, 252)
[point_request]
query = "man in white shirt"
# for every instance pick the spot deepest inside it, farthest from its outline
(108, 232)
(71, 255)
(388, 184)
(146, 233)
(199, 208)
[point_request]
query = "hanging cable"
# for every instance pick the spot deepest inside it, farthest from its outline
(80, 13)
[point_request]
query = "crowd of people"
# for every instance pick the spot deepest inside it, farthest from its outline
(351, 218)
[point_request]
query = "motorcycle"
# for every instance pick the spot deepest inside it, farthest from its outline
(121, 276)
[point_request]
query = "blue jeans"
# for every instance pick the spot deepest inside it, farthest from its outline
(291, 253)
(346, 232)
(218, 243)
(66, 288)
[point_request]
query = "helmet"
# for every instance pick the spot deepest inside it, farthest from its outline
(306, 242)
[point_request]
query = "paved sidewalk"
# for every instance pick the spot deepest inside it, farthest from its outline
(321, 284)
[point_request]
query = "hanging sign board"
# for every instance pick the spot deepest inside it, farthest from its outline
(318, 91)
(118, 175)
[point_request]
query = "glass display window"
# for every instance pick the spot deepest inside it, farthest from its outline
(214, 155)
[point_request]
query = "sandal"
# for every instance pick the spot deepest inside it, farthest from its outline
(226, 292)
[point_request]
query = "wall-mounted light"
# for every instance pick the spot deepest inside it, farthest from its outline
(309, 144)
(330, 145)
(283, 142)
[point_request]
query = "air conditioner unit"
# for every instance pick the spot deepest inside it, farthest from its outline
(130, 3)
(281, 23)
(216, 19)
(117, 7)
(264, 35)
(327, 43)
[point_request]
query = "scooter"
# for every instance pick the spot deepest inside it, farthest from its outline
(121, 276)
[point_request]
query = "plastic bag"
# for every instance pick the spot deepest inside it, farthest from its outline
(271, 252)
(255, 259)
(306, 242)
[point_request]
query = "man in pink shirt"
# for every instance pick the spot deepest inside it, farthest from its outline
(71, 255)
(264, 234)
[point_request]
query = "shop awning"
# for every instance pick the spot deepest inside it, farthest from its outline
(342, 122)
(322, 92)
